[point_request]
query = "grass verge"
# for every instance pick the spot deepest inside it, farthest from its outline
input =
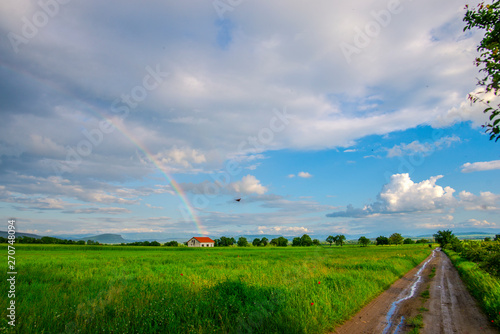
(484, 287)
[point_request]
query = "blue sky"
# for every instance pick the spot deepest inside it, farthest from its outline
(152, 118)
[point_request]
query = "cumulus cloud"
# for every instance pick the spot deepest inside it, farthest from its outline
(402, 195)
(480, 166)
(248, 185)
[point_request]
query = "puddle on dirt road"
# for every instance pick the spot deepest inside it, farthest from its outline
(413, 288)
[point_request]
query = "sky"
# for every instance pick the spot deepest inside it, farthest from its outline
(324, 117)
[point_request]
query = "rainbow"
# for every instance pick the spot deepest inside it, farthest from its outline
(177, 188)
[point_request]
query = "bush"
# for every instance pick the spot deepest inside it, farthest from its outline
(172, 243)
(382, 240)
(408, 241)
(280, 242)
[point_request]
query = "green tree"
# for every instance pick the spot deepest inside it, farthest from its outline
(422, 241)
(280, 242)
(497, 237)
(296, 242)
(306, 240)
(396, 239)
(224, 241)
(487, 18)
(256, 242)
(316, 242)
(382, 240)
(242, 242)
(408, 241)
(330, 239)
(487, 239)
(444, 238)
(339, 240)
(174, 243)
(364, 241)
(264, 241)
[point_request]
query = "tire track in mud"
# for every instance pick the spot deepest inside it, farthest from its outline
(451, 308)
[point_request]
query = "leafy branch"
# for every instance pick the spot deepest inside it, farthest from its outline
(487, 18)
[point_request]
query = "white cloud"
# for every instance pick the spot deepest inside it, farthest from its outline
(402, 195)
(188, 120)
(153, 207)
(447, 218)
(283, 229)
(485, 201)
(467, 111)
(480, 166)
(248, 185)
(107, 210)
(304, 175)
(479, 223)
(416, 147)
(180, 159)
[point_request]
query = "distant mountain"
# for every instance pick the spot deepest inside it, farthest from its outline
(465, 235)
(106, 238)
(20, 234)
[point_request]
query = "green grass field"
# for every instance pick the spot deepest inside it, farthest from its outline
(112, 289)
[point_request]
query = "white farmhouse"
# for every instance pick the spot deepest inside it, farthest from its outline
(200, 242)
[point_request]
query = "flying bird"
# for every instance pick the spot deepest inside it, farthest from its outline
(238, 199)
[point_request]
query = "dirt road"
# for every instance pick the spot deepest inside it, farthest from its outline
(449, 307)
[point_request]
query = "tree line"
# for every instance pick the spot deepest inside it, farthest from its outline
(398, 239)
(305, 240)
(49, 240)
(485, 253)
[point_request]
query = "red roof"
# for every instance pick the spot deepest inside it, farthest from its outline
(204, 239)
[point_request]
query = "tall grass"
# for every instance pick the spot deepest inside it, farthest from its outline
(112, 289)
(483, 286)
